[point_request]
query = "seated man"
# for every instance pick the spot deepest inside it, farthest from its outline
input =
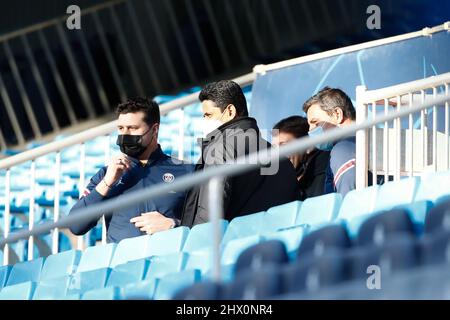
(232, 134)
(310, 166)
(140, 165)
(327, 109)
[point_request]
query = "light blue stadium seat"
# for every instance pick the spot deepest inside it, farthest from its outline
(358, 202)
(162, 265)
(52, 289)
(169, 285)
(433, 186)
(142, 290)
(199, 260)
(61, 264)
(244, 226)
(111, 293)
(200, 236)
(160, 243)
(29, 271)
(96, 257)
(319, 210)
(226, 273)
(21, 291)
(401, 194)
(129, 272)
(88, 280)
(291, 237)
(232, 249)
(396, 193)
(4, 274)
(280, 217)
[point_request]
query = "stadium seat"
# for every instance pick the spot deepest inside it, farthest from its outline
(200, 236)
(162, 265)
(233, 248)
(435, 247)
(291, 237)
(88, 280)
(205, 290)
(170, 284)
(160, 243)
(395, 193)
(252, 285)
(111, 293)
(244, 226)
(52, 289)
(226, 273)
(199, 260)
(319, 210)
(129, 272)
(61, 264)
(401, 252)
(438, 218)
(21, 291)
(417, 211)
(433, 186)
(264, 253)
(314, 272)
(142, 290)
(29, 271)
(356, 206)
(4, 274)
(377, 228)
(96, 257)
(281, 217)
(334, 236)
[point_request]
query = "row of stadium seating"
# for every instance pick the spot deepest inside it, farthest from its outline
(399, 224)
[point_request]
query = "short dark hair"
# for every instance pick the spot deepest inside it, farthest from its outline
(141, 104)
(296, 125)
(331, 98)
(223, 93)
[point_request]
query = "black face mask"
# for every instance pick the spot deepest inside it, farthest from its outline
(131, 145)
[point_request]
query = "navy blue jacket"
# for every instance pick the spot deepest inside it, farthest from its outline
(341, 173)
(159, 169)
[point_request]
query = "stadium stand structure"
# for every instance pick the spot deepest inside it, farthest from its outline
(316, 248)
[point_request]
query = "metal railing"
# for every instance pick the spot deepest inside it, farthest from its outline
(216, 174)
(79, 139)
(28, 40)
(409, 158)
(79, 74)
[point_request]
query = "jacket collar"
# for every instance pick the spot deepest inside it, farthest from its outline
(243, 123)
(154, 156)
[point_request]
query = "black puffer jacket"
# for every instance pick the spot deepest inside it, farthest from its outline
(246, 193)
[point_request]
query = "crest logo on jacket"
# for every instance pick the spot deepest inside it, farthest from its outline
(168, 177)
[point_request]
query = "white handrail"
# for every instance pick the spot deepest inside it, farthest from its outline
(370, 96)
(261, 69)
(366, 97)
(104, 129)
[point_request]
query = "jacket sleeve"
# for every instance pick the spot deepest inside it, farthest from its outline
(89, 197)
(342, 163)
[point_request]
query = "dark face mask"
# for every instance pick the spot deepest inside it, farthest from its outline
(132, 145)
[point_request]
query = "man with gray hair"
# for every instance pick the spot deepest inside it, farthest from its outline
(331, 108)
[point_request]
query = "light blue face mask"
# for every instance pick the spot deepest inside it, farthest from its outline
(325, 146)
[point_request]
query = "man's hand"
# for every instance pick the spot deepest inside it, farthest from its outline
(116, 167)
(151, 222)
